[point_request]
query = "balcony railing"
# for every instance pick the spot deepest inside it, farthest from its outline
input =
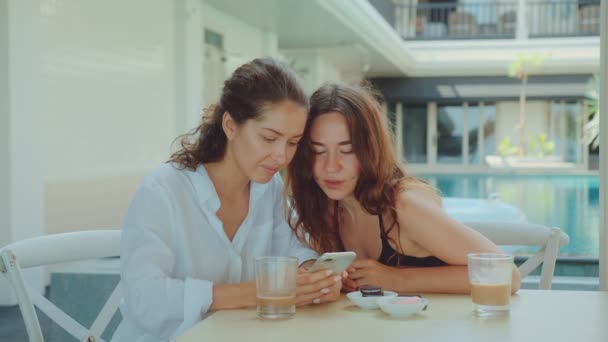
(496, 19)
(563, 18)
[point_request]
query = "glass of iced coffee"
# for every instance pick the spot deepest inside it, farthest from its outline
(490, 279)
(275, 278)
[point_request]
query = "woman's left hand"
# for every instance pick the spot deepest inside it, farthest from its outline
(348, 285)
(371, 272)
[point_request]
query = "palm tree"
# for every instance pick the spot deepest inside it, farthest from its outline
(521, 68)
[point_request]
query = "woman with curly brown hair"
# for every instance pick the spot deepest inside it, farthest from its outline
(197, 223)
(350, 192)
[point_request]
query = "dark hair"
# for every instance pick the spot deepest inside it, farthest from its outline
(250, 89)
(381, 179)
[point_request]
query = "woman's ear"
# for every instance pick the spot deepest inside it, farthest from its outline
(229, 125)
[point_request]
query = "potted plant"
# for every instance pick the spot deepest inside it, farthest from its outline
(541, 146)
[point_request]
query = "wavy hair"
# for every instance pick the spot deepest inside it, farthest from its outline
(381, 178)
(252, 87)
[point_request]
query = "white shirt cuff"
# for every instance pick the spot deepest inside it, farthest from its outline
(198, 295)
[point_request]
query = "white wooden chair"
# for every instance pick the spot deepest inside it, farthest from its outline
(55, 249)
(527, 234)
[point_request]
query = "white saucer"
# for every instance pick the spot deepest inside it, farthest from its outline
(368, 303)
(399, 307)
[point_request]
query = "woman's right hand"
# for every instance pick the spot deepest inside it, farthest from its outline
(317, 287)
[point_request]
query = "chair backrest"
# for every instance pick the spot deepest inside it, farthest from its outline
(527, 234)
(54, 249)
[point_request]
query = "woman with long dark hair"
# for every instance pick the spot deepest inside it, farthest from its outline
(351, 192)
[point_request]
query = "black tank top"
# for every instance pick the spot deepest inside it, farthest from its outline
(390, 257)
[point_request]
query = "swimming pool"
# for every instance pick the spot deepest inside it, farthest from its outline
(570, 202)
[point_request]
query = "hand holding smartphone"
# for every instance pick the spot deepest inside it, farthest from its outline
(337, 262)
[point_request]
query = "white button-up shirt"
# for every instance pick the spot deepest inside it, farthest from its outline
(174, 249)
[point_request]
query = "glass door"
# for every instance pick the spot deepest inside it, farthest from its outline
(450, 130)
(415, 134)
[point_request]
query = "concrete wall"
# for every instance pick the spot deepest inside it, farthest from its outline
(108, 80)
(107, 83)
(107, 102)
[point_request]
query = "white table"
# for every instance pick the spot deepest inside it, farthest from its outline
(573, 316)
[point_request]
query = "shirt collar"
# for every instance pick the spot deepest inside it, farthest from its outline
(207, 194)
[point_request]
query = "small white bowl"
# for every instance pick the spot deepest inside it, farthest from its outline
(368, 303)
(401, 307)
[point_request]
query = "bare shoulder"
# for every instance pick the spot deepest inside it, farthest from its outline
(418, 198)
(418, 208)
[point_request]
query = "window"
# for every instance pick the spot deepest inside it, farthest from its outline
(450, 130)
(414, 134)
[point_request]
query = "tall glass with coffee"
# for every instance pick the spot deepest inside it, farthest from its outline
(490, 280)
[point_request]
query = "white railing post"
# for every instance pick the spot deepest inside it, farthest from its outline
(522, 27)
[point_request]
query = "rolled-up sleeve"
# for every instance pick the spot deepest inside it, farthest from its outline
(155, 301)
(284, 240)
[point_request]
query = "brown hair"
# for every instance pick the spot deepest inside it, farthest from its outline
(381, 177)
(252, 87)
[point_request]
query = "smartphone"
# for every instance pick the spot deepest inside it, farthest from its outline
(337, 262)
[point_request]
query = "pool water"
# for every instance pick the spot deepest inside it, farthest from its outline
(569, 202)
